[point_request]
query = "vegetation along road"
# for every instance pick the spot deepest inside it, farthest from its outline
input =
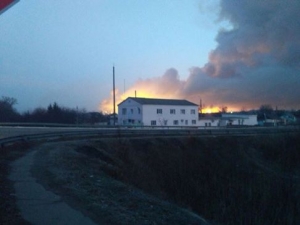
(126, 178)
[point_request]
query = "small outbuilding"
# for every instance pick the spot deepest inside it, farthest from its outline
(233, 119)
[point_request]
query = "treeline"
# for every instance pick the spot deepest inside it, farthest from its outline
(268, 112)
(52, 114)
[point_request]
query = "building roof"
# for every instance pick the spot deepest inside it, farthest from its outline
(156, 101)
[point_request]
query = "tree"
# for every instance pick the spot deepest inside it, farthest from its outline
(267, 109)
(223, 109)
(7, 111)
(54, 113)
(9, 100)
(39, 115)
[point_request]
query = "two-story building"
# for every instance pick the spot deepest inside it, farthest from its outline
(157, 112)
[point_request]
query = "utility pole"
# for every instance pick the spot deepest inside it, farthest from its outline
(200, 106)
(124, 87)
(114, 97)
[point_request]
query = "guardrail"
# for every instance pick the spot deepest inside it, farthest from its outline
(50, 135)
(50, 125)
(149, 132)
(62, 125)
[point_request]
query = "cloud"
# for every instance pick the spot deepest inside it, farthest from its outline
(255, 62)
(263, 32)
(166, 86)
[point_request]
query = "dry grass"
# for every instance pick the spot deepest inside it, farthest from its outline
(247, 180)
(226, 180)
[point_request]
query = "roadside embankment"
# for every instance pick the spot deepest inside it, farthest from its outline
(173, 180)
(227, 180)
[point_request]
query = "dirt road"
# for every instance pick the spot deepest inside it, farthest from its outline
(36, 204)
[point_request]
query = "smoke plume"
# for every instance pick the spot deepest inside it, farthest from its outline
(256, 62)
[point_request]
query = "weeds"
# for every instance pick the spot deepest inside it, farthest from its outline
(226, 180)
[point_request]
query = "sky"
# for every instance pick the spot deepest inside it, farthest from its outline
(240, 54)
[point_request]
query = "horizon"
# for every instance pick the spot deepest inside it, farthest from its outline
(205, 109)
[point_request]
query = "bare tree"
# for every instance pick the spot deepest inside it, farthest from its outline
(223, 109)
(7, 110)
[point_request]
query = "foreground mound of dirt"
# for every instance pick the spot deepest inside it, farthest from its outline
(226, 180)
(86, 179)
(9, 213)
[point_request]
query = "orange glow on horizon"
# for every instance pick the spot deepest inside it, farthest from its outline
(168, 86)
(216, 109)
(157, 88)
(107, 105)
(208, 110)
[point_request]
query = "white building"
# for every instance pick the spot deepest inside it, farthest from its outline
(238, 119)
(227, 119)
(157, 112)
(208, 121)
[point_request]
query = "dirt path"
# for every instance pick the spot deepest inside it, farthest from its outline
(38, 205)
(65, 182)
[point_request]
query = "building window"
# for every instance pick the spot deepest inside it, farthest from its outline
(175, 122)
(139, 111)
(193, 111)
(131, 121)
(186, 122)
(182, 111)
(131, 110)
(159, 111)
(193, 122)
(172, 111)
(124, 111)
(208, 124)
(153, 122)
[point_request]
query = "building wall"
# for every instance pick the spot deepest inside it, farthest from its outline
(130, 112)
(153, 117)
(208, 122)
(229, 119)
(251, 121)
(239, 119)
